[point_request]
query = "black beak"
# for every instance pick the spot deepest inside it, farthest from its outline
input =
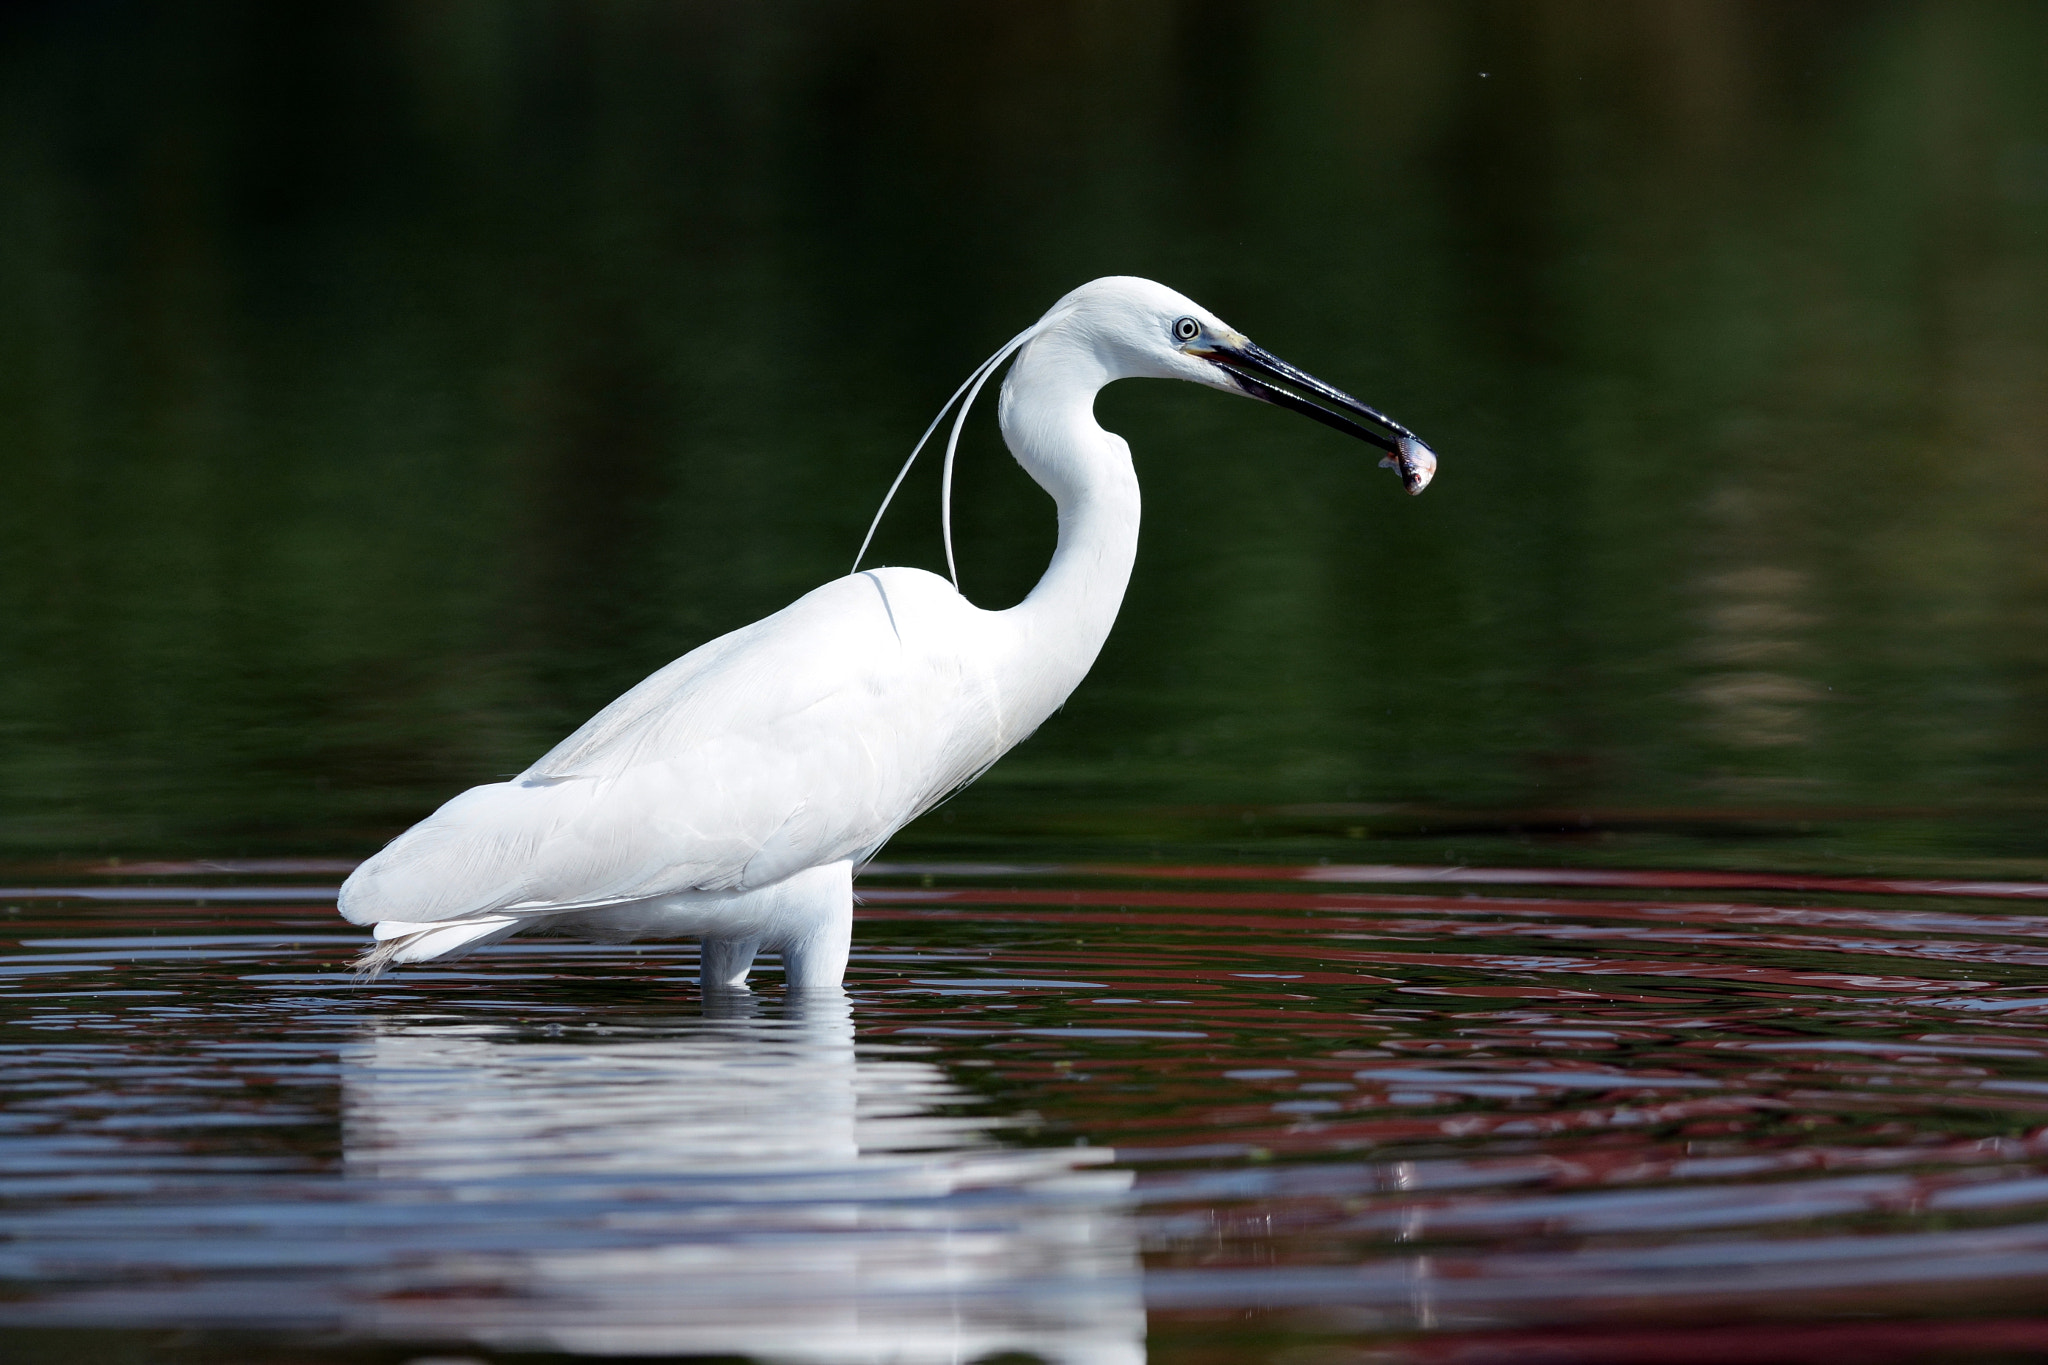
(1260, 373)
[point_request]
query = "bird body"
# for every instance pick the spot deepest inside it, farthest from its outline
(730, 794)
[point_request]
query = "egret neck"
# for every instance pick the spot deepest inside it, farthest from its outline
(1047, 414)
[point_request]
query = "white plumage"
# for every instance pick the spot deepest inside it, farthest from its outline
(730, 794)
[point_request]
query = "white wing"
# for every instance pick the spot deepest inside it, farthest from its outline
(807, 737)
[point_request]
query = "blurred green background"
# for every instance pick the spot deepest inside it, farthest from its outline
(385, 387)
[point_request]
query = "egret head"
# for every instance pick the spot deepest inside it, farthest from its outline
(1123, 327)
(1143, 329)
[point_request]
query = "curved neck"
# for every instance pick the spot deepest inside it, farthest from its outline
(1048, 420)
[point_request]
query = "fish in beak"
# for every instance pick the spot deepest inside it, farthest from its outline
(1265, 376)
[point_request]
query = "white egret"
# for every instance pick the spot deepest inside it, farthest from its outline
(730, 795)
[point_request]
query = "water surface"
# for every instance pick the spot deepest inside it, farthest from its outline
(1086, 1114)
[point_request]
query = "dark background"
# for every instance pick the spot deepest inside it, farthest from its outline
(385, 387)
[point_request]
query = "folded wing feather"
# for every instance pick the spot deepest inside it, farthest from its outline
(804, 738)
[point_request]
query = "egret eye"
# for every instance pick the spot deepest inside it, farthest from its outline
(1187, 329)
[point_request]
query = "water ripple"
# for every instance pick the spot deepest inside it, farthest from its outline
(1062, 1107)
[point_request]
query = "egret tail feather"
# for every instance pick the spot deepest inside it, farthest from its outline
(431, 943)
(375, 960)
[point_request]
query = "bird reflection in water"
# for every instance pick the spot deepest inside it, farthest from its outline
(745, 1182)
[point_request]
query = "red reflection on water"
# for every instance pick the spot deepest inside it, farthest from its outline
(1331, 902)
(1371, 873)
(1340, 873)
(1783, 1343)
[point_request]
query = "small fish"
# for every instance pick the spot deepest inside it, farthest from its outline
(1415, 461)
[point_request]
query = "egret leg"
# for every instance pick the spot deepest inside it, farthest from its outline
(723, 963)
(815, 960)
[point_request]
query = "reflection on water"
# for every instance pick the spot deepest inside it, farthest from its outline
(754, 1186)
(1174, 1114)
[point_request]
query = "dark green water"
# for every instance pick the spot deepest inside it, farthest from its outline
(382, 390)
(1405, 946)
